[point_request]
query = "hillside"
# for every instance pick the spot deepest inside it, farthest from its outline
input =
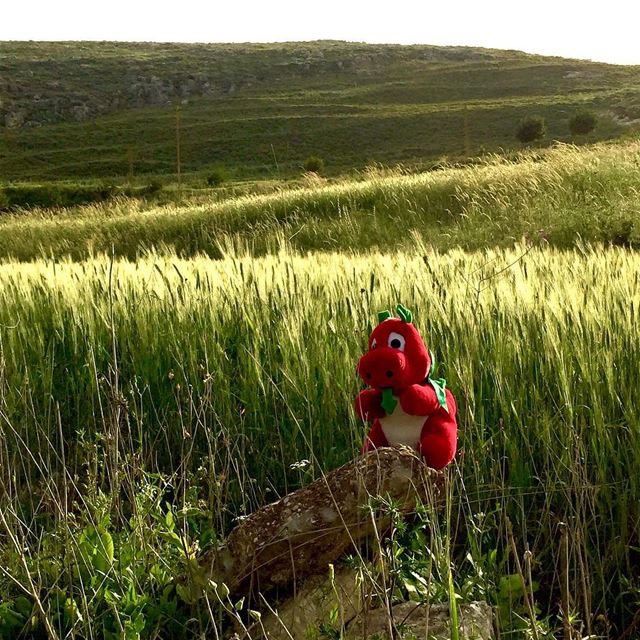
(97, 110)
(74, 81)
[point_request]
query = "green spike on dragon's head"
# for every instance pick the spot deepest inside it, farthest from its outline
(404, 313)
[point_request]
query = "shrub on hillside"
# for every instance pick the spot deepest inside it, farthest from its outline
(216, 177)
(530, 129)
(54, 195)
(582, 122)
(154, 187)
(314, 164)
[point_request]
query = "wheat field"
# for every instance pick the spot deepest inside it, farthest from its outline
(224, 374)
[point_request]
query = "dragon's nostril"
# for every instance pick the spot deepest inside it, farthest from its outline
(389, 374)
(368, 374)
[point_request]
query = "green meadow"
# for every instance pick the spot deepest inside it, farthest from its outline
(166, 369)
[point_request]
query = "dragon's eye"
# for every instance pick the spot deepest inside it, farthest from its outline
(396, 341)
(374, 344)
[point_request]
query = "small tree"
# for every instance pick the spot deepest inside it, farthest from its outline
(217, 176)
(530, 129)
(314, 164)
(582, 122)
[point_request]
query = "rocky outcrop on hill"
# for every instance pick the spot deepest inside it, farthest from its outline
(137, 90)
(50, 82)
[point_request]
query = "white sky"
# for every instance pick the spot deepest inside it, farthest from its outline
(605, 31)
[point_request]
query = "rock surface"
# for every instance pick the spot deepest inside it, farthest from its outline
(411, 620)
(302, 615)
(302, 533)
(344, 597)
(43, 83)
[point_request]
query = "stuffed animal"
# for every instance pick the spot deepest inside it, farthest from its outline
(404, 403)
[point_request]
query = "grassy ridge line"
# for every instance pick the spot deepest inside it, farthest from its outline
(254, 359)
(565, 194)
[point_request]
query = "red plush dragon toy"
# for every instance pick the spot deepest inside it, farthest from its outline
(404, 403)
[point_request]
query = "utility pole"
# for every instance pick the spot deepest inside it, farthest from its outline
(130, 163)
(467, 146)
(275, 160)
(178, 146)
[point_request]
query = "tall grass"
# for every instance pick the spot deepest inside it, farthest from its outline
(557, 198)
(229, 371)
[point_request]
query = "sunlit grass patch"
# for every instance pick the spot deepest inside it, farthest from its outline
(561, 197)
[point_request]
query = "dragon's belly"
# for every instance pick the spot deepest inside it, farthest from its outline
(401, 428)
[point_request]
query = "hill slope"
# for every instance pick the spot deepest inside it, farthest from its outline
(73, 81)
(562, 197)
(70, 110)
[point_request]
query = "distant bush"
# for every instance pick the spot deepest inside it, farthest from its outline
(151, 189)
(530, 129)
(155, 186)
(53, 195)
(314, 164)
(582, 122)
(217, 176)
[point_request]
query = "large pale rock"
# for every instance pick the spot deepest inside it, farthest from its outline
(300, 534)
(411, 620)
(345, 597)
(301, 615)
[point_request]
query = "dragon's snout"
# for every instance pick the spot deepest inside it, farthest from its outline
(383, 368)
